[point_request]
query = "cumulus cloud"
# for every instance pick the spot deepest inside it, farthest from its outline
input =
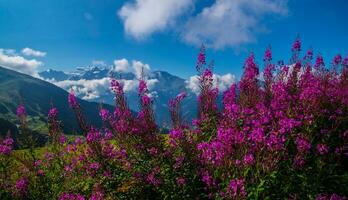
(140, 69)
(122, 65)
(31, 52)
(224, 23)
(144, 17)
(137, 67)
(10, 60)
(231, 23)
(222, 82)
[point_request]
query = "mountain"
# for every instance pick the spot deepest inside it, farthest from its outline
(54, 75)
(164, 87)
(37, 96)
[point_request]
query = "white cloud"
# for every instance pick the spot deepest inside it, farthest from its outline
(122, 65)
(231, 23)
(94, 89)
(31, 52)
(132, 85)
(12, 61)
(137, 67)
(225, 23)
(143, 17)
(140, 69)
(223, 82)
(86, 89)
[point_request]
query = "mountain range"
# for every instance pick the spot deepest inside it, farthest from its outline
(92, 87)
(92, 84)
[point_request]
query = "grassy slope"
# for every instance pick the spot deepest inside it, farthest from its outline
(38, 95)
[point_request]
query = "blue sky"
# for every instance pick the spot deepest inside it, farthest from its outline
(166, 34)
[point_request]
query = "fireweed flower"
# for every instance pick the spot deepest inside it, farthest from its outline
(208, 179)
(180, 96)
(146, 100)
(322, 149)
(303, 145)
(52, 113)
(249, 159)
(22, 186)
(94, 166)
(21, 111)
(62, 139)
(337, 59)
(152, 179)
(72, 100)
(296, 45)
(104, 114)
(309, 55)
(345, 62)
(116, 87)
(108, 134)
(97, 195)
(6, 146)
(78, 141)
(142, 87)
(174, 136)
(319, 62)
(71, 196)
(37, 163)
(201, 59)
(93, 135)
(237, 188)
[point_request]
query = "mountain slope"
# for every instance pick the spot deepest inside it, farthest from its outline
(37, 96)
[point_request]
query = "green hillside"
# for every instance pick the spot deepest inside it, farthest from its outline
(38, 96)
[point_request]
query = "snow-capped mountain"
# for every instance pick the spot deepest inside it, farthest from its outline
(92, 84)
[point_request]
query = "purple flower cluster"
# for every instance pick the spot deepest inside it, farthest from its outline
(71, 196)
(53, 112)
(104, 114)
(22, 186)
(21, 111)
(6, 146)
(72, 100)
(237, 189)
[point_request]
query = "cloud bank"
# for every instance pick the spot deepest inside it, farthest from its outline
(96, 88)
